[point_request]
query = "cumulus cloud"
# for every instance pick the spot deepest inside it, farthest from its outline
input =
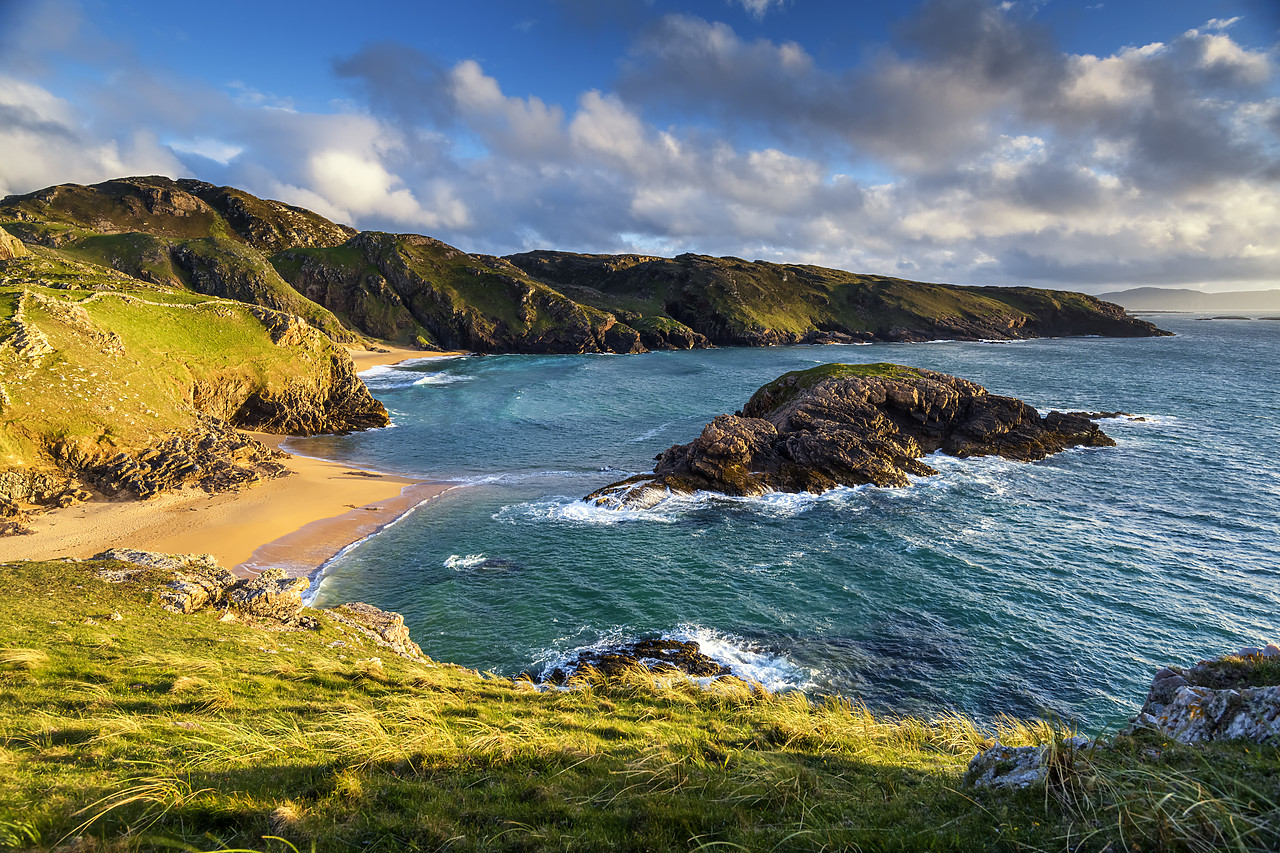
(972, 149)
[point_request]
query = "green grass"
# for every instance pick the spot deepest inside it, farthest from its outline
(779, 392)
(156, 730)
(126, 358)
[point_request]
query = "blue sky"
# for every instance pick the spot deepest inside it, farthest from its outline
(1089, 145)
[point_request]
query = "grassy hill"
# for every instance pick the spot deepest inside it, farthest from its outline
(414, 290)
(127, 727)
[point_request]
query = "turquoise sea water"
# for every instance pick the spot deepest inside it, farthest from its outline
(1049, 588)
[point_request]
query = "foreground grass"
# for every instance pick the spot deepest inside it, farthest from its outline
(160, 731)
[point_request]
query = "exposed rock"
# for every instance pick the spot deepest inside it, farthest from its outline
(850, 425)
(661, 656)
(1231, 698)
(215, 458)
(196, 581)
(270, 595)
(385, 628)
(1017, 767)
(11, 247)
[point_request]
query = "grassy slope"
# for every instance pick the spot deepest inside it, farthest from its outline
(156, 729)
(126, 356)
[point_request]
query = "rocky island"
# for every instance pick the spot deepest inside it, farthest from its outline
(850, 425)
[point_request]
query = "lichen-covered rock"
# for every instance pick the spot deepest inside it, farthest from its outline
(270, 595)
(196, 581)
(383, 627)
(1215, 700)
(850, 425)
(1016, 767)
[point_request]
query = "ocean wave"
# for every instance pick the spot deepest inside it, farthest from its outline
(392, 377)
(653, 433)
(772, 669)
(441, 379)
(521, 477)
(458, 561)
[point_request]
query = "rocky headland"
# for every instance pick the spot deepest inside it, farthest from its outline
(850, 425)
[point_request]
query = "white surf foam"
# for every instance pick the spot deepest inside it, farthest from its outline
(458, 561)
(771, 669)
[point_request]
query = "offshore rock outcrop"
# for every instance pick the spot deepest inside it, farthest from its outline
(850, 425)
(657, 655)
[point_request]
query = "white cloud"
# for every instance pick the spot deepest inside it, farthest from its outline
(759, 8)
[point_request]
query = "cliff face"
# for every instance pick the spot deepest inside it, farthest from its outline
(850, 425)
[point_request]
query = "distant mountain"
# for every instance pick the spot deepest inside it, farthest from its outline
(1181, 299)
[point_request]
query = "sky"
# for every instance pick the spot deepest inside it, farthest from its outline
(1055, 143)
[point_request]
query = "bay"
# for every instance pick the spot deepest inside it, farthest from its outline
(1052, 588)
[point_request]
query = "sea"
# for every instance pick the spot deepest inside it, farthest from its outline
(1049, 589)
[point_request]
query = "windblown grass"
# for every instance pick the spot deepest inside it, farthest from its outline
(184, 732)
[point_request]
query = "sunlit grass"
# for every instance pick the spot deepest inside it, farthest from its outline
(189, 733)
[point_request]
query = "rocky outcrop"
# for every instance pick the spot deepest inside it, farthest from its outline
(1232, 698)
(656, 655)
(214, 457)
(850, 425)
(270, 595)
(11, 247)
(190, 583)
(383, 627)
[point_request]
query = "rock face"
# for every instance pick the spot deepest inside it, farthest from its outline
(850, 425)
(657, 655)
(1231, 698)
(11, 247)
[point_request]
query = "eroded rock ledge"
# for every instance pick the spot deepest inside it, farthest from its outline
(189, 583)
(851, 425)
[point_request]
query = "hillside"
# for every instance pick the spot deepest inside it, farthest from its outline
(1182, 299)
(141, 318)
(734, 302)
(130, 727)
(416, 291)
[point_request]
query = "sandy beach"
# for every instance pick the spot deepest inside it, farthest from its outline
(297, 522)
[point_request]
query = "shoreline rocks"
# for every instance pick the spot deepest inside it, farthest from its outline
(1229, 698)
(191, 583)
(659, 656)
(850, 425)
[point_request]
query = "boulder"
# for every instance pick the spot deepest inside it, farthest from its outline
(1017, 767)
(850, 425)
(1228, 698)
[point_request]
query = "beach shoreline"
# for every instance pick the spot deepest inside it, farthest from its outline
(298, 522)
